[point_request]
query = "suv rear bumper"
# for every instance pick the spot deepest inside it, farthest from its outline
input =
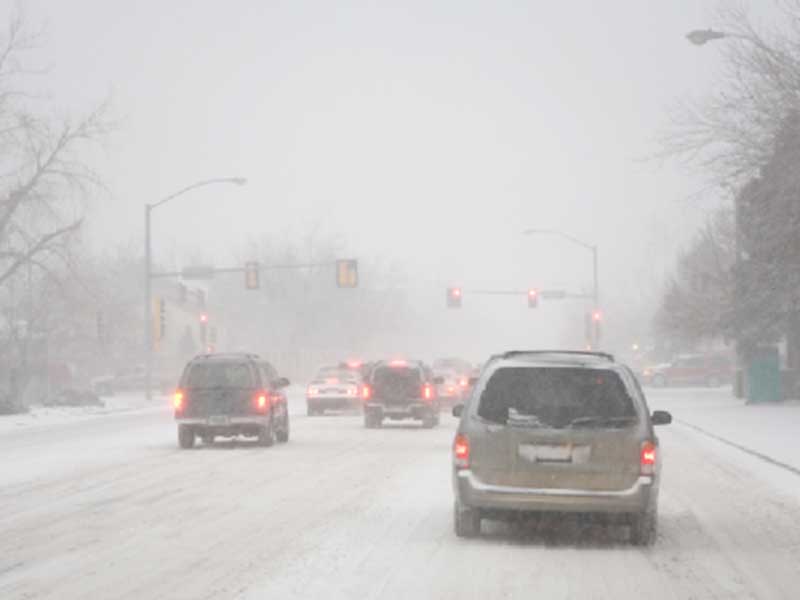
(415, 410)
(318, 402)
(472, 492)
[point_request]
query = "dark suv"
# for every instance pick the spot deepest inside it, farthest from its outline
(400, 389)
(229, 395)
(553, 431)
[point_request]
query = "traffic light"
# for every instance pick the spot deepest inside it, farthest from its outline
(533, 298)
(204, 329)
(251, 275)
(454, 297)
(162, 318)
(347, 273)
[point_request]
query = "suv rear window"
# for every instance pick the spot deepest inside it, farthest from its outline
(397, 381)
(556, 397)
(213, 375)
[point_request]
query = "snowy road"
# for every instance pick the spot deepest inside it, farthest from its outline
(110, 508)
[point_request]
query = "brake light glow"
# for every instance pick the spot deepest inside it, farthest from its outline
(366, 392)
(647, 458)
(354, 364)
(461, 452)
(398, 363)
(262, 400)
(313, 391)
(177, 400)
(332, 380)
(463, 382)
(352, 391)
(427, 392)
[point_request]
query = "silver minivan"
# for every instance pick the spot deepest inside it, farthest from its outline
(557, 431)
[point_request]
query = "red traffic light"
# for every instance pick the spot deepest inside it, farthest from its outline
(533, 298)
(454, 297)
(457, 292)
(597, 316)
(204, 318)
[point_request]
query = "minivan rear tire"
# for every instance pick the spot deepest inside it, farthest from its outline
(185, 437)
(466, 521)
(644, 528)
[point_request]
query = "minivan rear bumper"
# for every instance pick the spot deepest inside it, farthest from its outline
(475, 493)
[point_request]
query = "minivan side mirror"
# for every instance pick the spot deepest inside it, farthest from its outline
(457, 410)
(661, 417)
(438, 380)
(282, 382)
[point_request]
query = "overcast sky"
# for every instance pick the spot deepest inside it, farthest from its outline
(428, 133)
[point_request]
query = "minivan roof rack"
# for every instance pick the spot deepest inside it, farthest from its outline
(587, 353)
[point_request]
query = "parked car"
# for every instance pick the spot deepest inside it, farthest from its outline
(230, 395)
(557, 432)
(711, 370)
(333, 388)
(401, 389)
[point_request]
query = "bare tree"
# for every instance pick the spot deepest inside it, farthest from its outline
(43, 180)
(730, 133)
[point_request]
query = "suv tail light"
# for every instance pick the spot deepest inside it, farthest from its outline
(262, 401)
(366, 392)
(312, 391)
(461, 451)
(179, 400)
(647, 458)
(427, 391)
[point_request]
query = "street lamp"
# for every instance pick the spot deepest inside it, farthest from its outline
(592, 248)
(699, 37)
(148, 267)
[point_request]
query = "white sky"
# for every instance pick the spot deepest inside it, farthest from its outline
(428, 133)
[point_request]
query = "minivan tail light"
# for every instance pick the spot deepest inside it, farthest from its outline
(178, 400)
(647, 458)
(461, 452)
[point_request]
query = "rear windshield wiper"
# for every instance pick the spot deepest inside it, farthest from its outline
(589, 421)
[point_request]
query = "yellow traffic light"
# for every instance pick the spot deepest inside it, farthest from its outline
(347, 273)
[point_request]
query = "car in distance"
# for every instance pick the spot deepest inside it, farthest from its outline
(563, 432)
(230, 395)
(712, 370)
(333, 388)
(400, 389)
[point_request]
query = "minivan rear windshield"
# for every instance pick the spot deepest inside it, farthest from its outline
(214, 375)
(556, 397)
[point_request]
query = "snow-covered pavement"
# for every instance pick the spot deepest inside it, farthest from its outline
(108, 507)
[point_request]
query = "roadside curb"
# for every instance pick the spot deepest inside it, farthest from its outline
(745, 449)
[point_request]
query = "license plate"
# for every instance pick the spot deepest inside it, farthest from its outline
(218, 420)
(546, 452)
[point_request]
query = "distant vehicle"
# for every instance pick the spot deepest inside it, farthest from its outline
(712, 370)
(560, 432)
(229, 395)
(333, 387)
(401, 389)
(453, 387)
(456, 365)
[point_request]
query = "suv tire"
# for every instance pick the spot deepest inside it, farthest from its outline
(643, 528)
(372, 421)
(283, 434)
(266, 435)
(430, 421)
(185, 437)
(466, 521)
(208, 439)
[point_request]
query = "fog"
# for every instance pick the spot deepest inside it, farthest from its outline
(425, 135)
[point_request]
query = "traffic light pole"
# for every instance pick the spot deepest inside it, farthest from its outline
(148, 306)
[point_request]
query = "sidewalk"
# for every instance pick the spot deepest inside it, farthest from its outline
(772, 430)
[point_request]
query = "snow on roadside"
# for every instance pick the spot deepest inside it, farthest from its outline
(43, 416)
(768, 429)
